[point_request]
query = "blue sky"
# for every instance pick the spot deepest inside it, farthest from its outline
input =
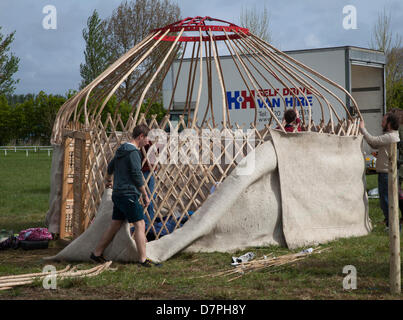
(50, 59)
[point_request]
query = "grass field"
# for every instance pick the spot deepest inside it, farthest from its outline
(25, 184)
(24, 202)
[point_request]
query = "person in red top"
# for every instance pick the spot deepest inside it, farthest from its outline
(291, 120)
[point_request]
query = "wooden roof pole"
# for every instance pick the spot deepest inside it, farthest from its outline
(254, 85)
(177, 78)
(294, 95)
(318, 75)
(129, 72)
(276, 58)
(243, 78)
(155, 75)
(223, 83)
(113, 67)
(257, 58)
(224, 115)
(264, 64)
(188, 89)
(200, 83)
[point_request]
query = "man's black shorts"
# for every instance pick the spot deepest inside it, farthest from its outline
(127, 207)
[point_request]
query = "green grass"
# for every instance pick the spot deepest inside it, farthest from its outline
(24, 202)
(25, 184)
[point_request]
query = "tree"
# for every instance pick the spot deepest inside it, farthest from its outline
(383, 39)
(156, 108)
(396, 98)
(8, 64)
(5, 112)
(130, 23)
(257, 21)
(30, 120)
(97, 54)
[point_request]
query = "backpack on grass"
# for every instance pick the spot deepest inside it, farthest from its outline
(35, 234)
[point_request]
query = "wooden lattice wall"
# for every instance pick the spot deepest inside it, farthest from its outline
(179, 188)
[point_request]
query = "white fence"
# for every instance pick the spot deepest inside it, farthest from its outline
(27, 149)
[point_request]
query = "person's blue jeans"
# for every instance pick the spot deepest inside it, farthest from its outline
(383, 195)
(151, 186)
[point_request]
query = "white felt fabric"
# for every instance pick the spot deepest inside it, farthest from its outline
(322, 180)
(244, 211)
(56, 176)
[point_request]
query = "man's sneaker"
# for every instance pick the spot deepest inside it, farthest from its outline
(97, 259)
(149, 263)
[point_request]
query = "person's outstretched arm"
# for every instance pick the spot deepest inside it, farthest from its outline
(375, 141)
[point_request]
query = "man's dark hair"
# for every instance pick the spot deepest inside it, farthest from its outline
(140, 129)
(393, 119)
(290, 115)
(399, 113)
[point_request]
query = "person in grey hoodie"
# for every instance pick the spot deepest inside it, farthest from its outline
(390, 125)
(128, 186)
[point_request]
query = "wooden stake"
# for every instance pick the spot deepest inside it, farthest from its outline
(394, 234)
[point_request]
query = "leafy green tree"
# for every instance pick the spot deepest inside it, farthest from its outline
(396, 97)
(5, 112)
(97, 54)
(17, 124)
(156, 108)
(8, 64)
(46, 108)
(30, 121)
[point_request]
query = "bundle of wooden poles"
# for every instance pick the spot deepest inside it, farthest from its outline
(9, 282)
(265, 262)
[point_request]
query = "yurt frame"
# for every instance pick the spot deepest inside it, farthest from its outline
(88, 142)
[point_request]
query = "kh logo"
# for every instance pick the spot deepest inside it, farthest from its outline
(238, 100)
(241, 100)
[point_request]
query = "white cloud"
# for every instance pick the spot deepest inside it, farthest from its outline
(312, 41)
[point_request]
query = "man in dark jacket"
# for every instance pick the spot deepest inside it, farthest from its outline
(128, 186)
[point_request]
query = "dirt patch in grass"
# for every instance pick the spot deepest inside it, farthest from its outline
(23, 257)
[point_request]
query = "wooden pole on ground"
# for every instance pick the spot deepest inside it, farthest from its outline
(394, 232)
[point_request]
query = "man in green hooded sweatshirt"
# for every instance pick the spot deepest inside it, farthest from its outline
(128, 186)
